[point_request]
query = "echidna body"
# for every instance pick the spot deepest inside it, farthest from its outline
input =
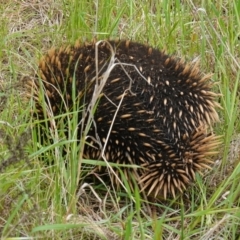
(156, 107)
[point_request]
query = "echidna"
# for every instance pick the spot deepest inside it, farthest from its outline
(154, 110)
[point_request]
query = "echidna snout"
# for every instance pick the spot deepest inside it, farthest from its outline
(158, 108)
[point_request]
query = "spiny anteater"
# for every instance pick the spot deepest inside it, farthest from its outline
(163, 108)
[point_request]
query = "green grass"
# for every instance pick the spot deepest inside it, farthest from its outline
(37, 200)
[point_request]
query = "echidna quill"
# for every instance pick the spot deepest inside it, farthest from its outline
(154, 110)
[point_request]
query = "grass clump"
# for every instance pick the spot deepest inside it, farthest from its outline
(47, 201)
